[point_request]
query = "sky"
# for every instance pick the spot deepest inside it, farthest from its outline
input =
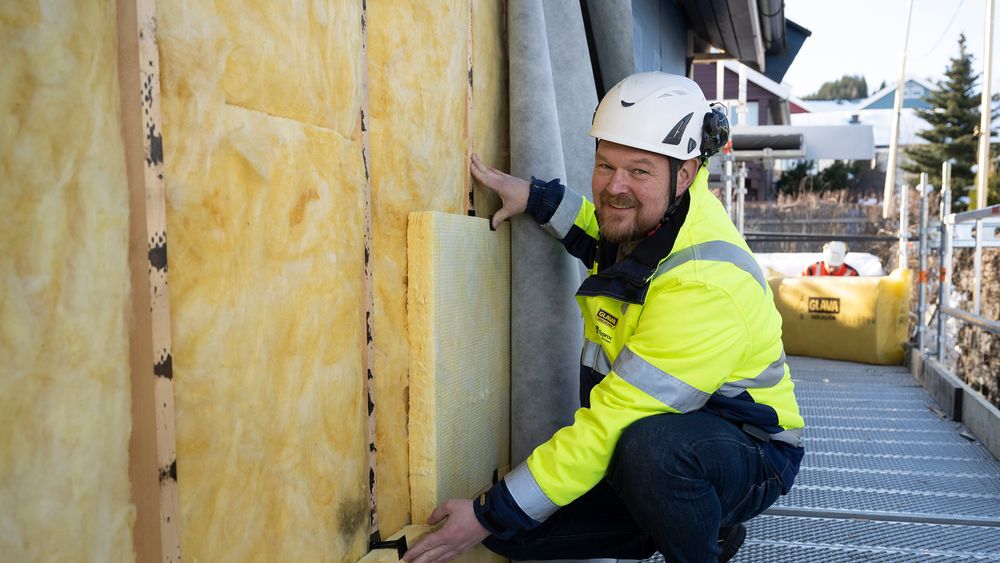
(866, 37)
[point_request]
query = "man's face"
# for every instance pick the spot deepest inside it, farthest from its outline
(630, 191)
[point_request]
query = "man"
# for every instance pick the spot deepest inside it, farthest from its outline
(689, 425)
(832, 263)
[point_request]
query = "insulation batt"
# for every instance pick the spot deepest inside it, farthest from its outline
(264, 181)
(459, 305)
(64, 287)
(459, 314)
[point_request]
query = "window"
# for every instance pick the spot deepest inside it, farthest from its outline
(753, 117)
(913, 91)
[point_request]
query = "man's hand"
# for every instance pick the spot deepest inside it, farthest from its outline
(513, 191)
(459, 533)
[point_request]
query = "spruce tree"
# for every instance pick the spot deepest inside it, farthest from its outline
(796, 178)
(954, 125)
(847, 87)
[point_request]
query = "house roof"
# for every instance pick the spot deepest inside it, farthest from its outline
(734, 27)
(823, 106)
(759, 79)
(803, 104)
(867, 102)
(778, 61)
(879, 119)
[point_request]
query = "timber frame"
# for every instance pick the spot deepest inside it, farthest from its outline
(152, 444)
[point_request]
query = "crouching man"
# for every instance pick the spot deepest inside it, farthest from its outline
(688, 425)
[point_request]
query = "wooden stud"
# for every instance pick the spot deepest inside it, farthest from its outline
(152, 445)
(368, 354)
(469, 185)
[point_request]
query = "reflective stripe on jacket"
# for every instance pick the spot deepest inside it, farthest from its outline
(670, 333)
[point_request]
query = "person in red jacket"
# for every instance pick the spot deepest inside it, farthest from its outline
(832, 263)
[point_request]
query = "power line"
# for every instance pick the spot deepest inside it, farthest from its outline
(943, 33)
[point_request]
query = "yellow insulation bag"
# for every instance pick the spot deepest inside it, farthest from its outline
(859, 319)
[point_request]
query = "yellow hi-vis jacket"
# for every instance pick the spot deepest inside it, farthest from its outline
(665, 333)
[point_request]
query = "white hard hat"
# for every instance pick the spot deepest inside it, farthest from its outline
(661, 113)
(834, 253)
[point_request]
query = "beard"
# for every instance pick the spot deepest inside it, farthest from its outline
(619, 227)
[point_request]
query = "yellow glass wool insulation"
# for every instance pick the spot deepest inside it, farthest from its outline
(418, 85)
(265, 218)
(459, 304)
(459, 334)
(859, 319)
(299, 61)
(417, 97)
(64, 287)
(490, 114)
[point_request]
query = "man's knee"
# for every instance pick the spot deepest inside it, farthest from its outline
(645, 448)
(640, 438)
(656, 433)
(665, 443)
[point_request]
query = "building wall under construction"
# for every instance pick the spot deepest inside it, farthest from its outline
(266, 191)
(266, 196)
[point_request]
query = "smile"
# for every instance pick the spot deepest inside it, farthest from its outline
(620, 203)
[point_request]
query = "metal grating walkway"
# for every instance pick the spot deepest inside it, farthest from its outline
(885, 477)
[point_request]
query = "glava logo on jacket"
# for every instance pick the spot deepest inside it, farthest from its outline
(607, 318)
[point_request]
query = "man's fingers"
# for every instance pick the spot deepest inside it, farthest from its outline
(460, 532)
(487, 176)
(426, 543)
(432, 547)
(478, 168)
(500, 216)
(478, 164)
(513, 191)
(416, 550)
(438, 553)
(439, 513)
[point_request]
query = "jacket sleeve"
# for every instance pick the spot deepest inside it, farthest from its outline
(688, 338)
(566, 215)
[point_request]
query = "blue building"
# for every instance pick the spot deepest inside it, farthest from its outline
(914, 95)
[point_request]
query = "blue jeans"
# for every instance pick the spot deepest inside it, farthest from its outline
(674, 480)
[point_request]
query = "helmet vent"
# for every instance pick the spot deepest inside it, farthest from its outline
(691, 144)
(627, 104)
(669, 93)
(677, 133)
